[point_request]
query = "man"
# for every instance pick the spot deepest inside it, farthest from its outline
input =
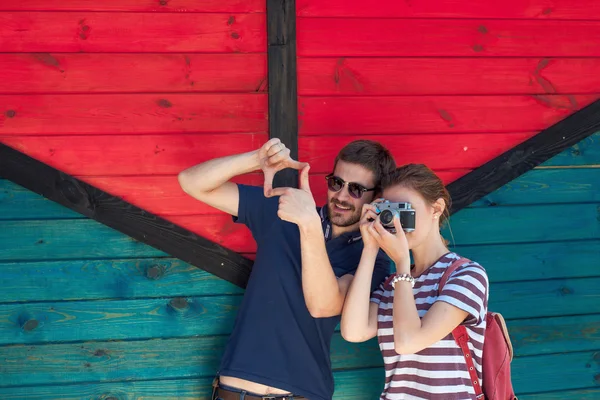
(306, 257)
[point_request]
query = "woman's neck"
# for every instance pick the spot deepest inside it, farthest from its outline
(428, 253)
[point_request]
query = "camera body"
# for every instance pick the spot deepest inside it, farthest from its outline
(404, 210)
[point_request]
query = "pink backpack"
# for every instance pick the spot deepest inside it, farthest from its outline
(497, 352)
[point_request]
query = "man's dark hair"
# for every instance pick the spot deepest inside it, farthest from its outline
(370, 155)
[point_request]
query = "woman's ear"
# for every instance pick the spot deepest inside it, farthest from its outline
(438, 208)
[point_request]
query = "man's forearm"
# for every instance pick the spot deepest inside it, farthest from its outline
(322, 292)
(210, 175)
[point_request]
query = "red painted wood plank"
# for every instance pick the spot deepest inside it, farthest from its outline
(180, 6)
(439, 152)
(220, 229)
(427, 76)
(170, 154)
(444, 37)
(430, 114)
(132, 113)
(162, 195)
(105, 155)
(97, 73)
(508, 9)
(131, 32)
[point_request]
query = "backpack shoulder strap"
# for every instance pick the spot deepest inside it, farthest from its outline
(449, 270)
(460, 334)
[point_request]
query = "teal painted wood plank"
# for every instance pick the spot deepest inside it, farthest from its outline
(536, 261)
(110, 361)
(583, 394)
(67, 239)
(103, 279)
(16, 202)
(130, 360)
(182, 389)
(125, 319)
(555, 372)
(555, 335)
(530, 375)
(517, 224)
(214, 315)
(586, 152)
(559, 297)
(76, 239)
(199, 356)
(548, 186)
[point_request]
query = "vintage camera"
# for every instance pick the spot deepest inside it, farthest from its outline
(387, 211)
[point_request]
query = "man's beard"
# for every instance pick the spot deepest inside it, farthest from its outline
(343, 220)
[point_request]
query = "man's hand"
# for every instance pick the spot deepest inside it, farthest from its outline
(274, 157)
(297, 205)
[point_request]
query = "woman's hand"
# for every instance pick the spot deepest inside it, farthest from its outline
(394, 245)
(368, 217)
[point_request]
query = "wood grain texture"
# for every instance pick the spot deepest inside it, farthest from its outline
(117, 320)
(366, 76)
(555, 335)
(446, 37)
(119, 215)
(84, 239)
(161, 195)
(199, 356)
(157, 277)
(518, 224)
(79, 114)
(179, 6)
(283, 87)
(455, 151)
(132, 73)
(525, 156)
(94, 32)
(362, 383)
(584, 153)
(560, 297)
(17, 203)
(128, 360)
(510, 9)
(108, 155)
(543, 186)
(371, 115)
(580, 368)
(46, 239)
(32, 323)
(169, 154)
(535, 261)
(101, 279)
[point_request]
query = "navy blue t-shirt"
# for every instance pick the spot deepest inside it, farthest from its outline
(275, 340)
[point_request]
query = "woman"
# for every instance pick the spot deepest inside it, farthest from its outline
(414, 324)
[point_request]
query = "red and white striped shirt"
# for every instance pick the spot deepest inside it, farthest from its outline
(439, 371)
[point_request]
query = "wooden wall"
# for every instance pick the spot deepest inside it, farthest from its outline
(126, 94)
(451, 84)
(88, 313)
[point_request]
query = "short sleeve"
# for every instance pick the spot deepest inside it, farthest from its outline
(382, 269)
(255, 210)
(467, 289)
(377, 295)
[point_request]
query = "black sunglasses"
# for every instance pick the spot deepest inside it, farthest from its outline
(356, 190)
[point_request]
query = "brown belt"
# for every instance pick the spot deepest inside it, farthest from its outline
(221, 393)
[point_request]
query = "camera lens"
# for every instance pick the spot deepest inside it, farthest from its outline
(386, 217)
